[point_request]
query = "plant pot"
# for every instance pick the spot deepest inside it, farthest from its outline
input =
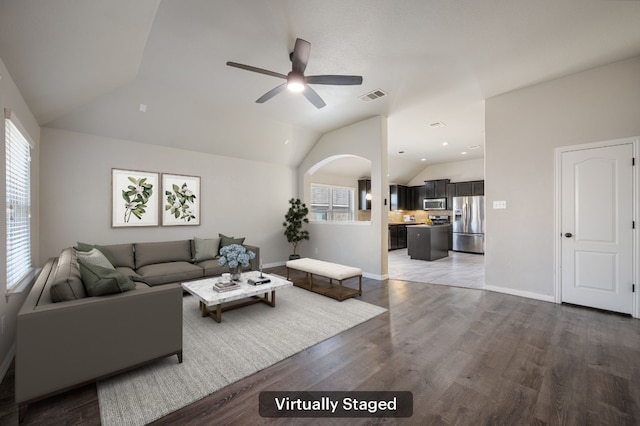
(294, 256)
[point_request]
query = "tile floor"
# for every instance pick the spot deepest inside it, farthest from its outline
(458, 269)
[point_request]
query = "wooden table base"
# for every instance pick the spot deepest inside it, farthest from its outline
(216, 313)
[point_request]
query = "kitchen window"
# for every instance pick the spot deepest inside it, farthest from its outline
(18, 202)
(331, 203)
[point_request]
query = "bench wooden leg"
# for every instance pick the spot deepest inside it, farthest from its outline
(360, 285)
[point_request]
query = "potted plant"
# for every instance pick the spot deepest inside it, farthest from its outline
(295, 217)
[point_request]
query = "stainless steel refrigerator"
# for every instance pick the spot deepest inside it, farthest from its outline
(468, 224)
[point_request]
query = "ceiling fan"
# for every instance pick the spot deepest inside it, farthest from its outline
(296, 80)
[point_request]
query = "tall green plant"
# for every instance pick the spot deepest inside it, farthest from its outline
(295, 217)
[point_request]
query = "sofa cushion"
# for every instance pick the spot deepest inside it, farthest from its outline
(99, 281)
(133, 275)
(227, 241)
(122, 254)
(117, 254)
(94, 256)
(67, 281)
(213, 268)
(170, 272)
(206, 249)
(162, 252)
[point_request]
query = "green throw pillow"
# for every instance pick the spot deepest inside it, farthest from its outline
(103, 250)
(99, 281)
(227, 241)
(95, 257)
(206, 249)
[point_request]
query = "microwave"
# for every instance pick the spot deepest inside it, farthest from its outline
(435, 204)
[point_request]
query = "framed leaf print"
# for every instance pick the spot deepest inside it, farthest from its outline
(180, 200)
(134, 198)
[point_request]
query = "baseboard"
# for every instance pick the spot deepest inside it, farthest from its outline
(273, 265)
(375, 276)
(6, 363)
(521, 293)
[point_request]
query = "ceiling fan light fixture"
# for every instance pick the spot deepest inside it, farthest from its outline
(295, 82)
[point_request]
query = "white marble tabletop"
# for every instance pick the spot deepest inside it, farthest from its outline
(203, 289)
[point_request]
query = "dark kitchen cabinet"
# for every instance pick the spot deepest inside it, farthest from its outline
(416, 195)
(364, 190)
(402, 236)
(477, 187)
(397, 237)
(427, 242)
(436, 188)
(464, 189)
(399, 198)
(451, 192)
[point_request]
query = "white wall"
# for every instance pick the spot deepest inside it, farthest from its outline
(523, 128)
(238, 197)
(457, 171)
(11, 98)
(361, 244)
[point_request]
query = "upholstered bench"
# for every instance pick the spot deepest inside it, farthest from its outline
(332, 271)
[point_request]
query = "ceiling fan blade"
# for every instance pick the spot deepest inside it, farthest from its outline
(271, 93)
(300, 55)
(313, 97)
(338, 80)
(256, 69)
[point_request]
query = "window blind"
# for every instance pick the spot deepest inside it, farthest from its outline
(331, 203)
(18, 204)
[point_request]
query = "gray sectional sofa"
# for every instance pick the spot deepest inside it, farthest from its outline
(66, 338)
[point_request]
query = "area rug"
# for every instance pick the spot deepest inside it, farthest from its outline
(248, 340)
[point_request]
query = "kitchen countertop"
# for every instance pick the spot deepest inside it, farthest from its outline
(424, 225)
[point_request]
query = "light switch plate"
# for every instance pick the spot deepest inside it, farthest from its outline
(499, 204)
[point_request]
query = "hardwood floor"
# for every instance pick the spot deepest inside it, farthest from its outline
(469, 357)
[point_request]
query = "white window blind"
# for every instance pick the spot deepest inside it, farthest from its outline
(18, 203)
(331, 203)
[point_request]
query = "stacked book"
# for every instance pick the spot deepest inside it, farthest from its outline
(226, 286)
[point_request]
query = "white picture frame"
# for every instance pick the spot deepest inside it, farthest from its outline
(134, 198)
(180, 200)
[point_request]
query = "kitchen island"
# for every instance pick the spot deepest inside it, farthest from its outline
(428, 242)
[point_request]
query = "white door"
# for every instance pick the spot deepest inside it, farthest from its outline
(596, 226)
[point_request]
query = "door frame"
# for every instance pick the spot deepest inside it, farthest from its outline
(557, 231)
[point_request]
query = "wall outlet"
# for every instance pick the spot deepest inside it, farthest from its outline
(316, 250)
(499, 204)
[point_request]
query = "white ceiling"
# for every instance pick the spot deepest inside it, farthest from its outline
(87, 65)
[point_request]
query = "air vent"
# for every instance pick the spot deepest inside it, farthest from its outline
(437, 124)
(371, 96)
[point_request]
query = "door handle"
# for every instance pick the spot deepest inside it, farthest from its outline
(568, 235)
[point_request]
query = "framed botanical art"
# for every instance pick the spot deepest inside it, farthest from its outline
(180, 200)
(134, 198)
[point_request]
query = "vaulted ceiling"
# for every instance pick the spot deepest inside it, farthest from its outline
(88, 65)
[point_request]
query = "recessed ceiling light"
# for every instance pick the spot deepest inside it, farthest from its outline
(474, 147)
(423, 159)
(286, 141)
(400, 152)
(445, 143)
(464, 153)
(437, 124)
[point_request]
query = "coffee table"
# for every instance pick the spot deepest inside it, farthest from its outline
(211, 301)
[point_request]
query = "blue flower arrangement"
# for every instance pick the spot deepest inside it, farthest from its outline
(234, 255)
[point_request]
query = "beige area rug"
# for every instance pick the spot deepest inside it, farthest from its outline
(215, 355)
